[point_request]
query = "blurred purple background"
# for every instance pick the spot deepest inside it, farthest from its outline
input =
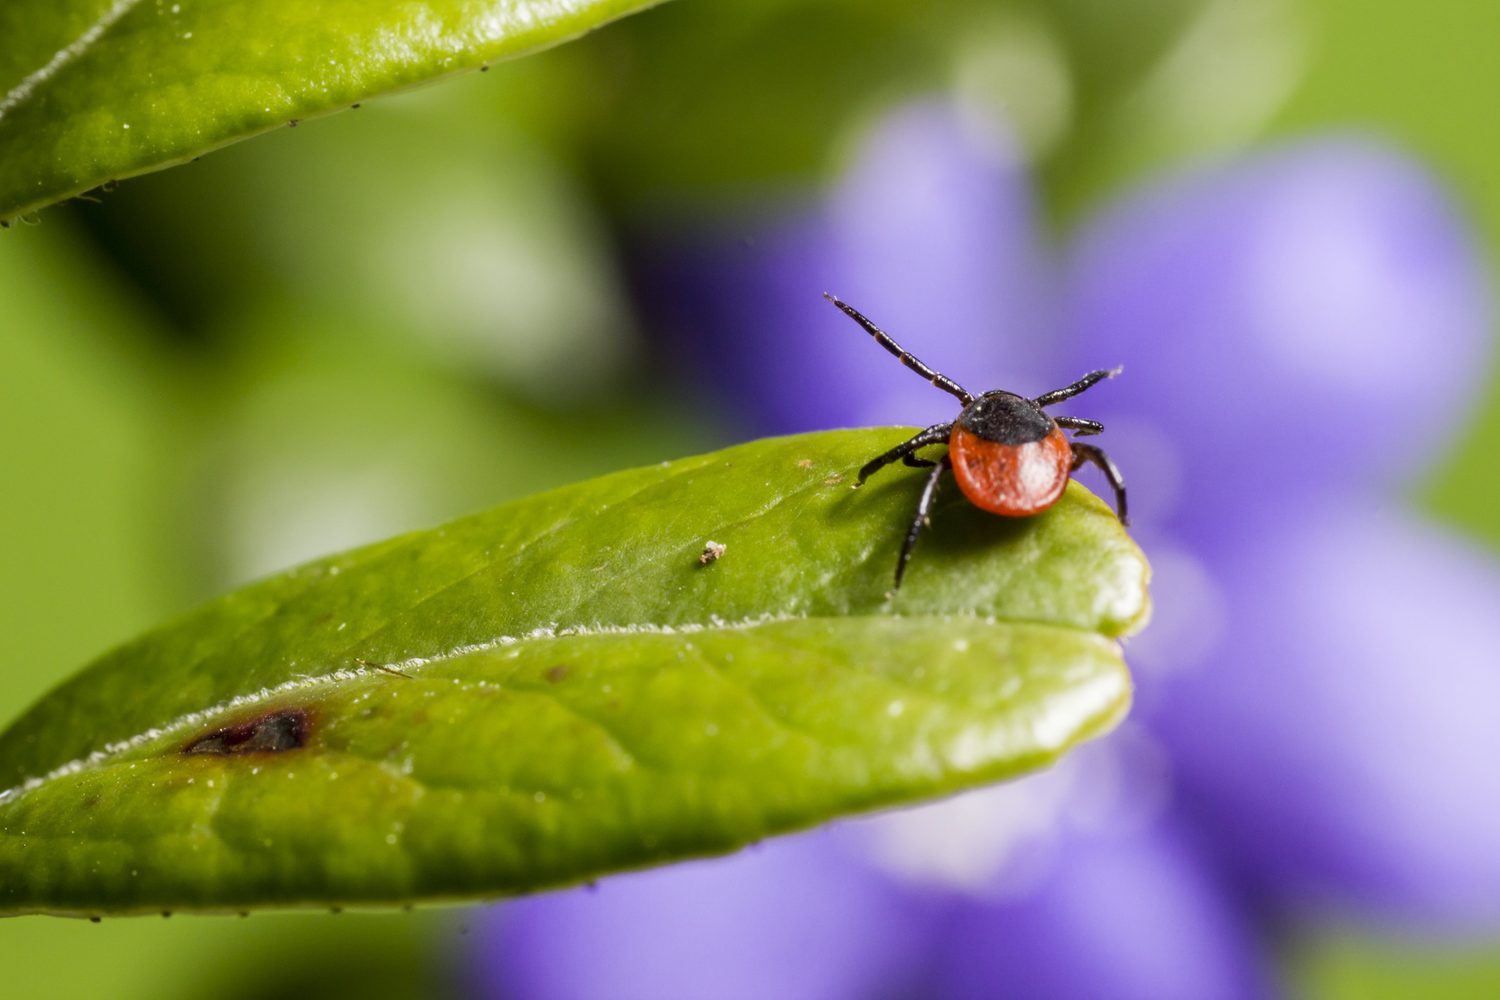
(1302, 330)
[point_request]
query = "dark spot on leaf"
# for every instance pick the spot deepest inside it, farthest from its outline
(556, 674)
(95, 920)
(293, 123)
(285, 729)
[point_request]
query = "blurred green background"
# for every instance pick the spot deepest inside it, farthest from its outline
(396, 315)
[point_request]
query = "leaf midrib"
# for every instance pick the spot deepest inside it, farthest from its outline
(65, 56)
(188, 721)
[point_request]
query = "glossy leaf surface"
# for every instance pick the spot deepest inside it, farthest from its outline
(561, 687)
(96, 90)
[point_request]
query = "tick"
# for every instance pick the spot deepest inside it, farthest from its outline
(1008, 455)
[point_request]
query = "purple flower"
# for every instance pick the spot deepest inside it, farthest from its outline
(1309, 319)
(1336, 746)
(1312, 732)
(792, 918)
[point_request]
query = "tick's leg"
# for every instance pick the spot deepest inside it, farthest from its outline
(936, 434)
(1068, 392)
(908, 359)
(911, 459)
(1091, 453)
(923, 518)
(1079, 424)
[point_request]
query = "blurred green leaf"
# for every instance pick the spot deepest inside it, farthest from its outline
(95, 90)
(296, 463)
(559, 688)
(274, 956)
(488, 257)
(1332, 963)
(88, 452)
(1092, 89)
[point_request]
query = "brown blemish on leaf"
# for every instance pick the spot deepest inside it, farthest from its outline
(555, 674)
(711, 552)
(283, 729)
(805, 463)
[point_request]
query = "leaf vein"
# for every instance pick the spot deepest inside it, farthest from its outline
(65, 55)
(512, 556)
(753, 697)
(617, 741)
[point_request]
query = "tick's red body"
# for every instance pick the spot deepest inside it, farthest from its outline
(1018, 472)
(1013, 480)
(1007, 454)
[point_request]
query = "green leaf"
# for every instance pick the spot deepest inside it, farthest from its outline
(559, 688)
(96, 90)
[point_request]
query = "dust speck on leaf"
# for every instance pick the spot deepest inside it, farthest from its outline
(711, 552)
(285, 729)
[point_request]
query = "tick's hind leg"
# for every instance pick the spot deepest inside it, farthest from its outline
(1093, 453)
(923, 518)
(905, 451)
